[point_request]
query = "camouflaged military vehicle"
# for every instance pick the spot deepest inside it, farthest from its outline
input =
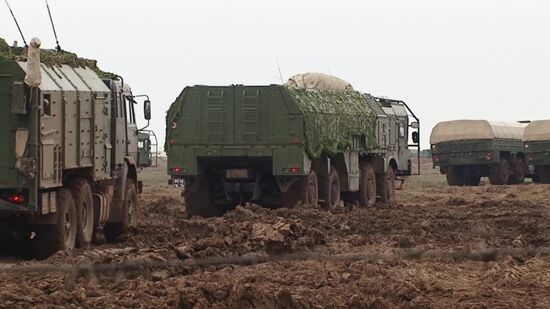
(311, 143)
(68, 165)
(536, 141)
(467, 150)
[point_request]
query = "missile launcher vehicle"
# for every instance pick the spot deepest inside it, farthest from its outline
(312, 141)
(69, 157)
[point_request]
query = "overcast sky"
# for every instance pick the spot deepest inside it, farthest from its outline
(475, 59)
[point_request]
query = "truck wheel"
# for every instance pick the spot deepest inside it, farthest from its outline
(367, 186)
(474, 181)
(519, 172)
(455, 177)
(386, 186)
(113, 231)
(200, 203)
(304, 191)
(502, 174)
(543, 174)
(60, 236)
(83, 198)
(329, 190)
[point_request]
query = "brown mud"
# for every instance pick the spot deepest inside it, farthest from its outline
(429, 216)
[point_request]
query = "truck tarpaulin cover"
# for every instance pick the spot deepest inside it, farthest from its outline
(318, 81)
(537, 131)
(459, 130)
(33, 77)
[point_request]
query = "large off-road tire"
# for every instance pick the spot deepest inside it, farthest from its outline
(519, 172)
(386, 186)
(501, 175)
(367, 185)
(543, 174)
(455, 176)
(130, 207)
(473, 181)
(6, 237)
(304, 191)
(61, 235)
(199, 203)
(84, 203)
(329, 190)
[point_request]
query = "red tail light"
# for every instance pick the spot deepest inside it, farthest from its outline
(435, 158)
(295, 141)
(294, 170)
(489, 156)
(172, 141)
(176, 170)
(16, 199)
(530, 158)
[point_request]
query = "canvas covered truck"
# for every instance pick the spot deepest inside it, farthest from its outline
(467, 150)
(280, 145)
(536, 141)
(68, 161)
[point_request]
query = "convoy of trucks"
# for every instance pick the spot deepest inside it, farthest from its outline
(72, 149)
(466, 150)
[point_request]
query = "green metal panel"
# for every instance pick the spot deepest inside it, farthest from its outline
(9, 73)
(474, 152)
(538, 153)
(266, 121)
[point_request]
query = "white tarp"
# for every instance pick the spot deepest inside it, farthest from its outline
(458, 130)
(34, 76)
(537, 131)
(318, 81)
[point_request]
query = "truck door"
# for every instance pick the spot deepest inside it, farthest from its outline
(132, 127)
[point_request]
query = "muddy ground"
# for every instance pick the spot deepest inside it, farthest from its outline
(429, 215)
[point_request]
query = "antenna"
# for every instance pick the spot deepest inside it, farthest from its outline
(279, 68)
(16, 23)
(58, 48)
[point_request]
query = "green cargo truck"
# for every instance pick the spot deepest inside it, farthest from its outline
(536, 141)
(279, 146)
(466, 150)
(68, 164)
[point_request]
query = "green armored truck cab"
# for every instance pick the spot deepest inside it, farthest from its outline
(280, 145)
(536, 141)
(466, 150)
(68, 165)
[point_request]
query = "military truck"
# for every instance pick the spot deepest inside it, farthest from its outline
(280, 145)
(68, 166)
(467, 150)
(536, 141)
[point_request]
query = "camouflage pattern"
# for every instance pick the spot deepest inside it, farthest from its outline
(52, 58)
(332, 120)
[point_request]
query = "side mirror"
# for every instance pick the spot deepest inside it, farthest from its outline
(147, 109)
(415, 125)
(416, 137)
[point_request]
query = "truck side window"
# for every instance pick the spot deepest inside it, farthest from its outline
(401, 130)
(132, 112)
(47, 105)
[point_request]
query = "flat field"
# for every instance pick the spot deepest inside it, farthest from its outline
(413, 254)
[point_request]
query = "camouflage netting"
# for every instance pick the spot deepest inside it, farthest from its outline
(51, 58)
(171, 115)
(333, 118)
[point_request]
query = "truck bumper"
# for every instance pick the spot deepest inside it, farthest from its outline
(9, 208)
